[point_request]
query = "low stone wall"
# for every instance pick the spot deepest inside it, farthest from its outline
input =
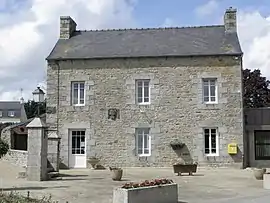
(17, 157)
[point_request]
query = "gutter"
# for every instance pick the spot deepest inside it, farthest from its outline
(134, 57)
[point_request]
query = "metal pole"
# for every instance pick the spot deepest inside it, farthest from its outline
(38, 109)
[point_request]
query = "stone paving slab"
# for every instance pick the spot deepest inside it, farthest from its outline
(96, 186)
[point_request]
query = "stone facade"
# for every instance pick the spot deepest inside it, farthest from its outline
(176, 110)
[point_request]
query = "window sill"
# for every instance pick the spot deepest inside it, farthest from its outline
(211, 155)
(78, 105)
(144, 155)
(143, 104)
(210, 103)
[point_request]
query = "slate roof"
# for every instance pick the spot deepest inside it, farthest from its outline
(6, 106)
(151, 42)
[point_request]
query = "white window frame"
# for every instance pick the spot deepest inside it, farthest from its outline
(210, 144)
(143, 95)
(145, 131)
(79, 83)
(208, 80)
(11, 113)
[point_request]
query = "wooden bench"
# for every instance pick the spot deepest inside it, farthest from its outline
(184, 168)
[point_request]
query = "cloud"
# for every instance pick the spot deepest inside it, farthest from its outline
(169, 22)
(30, 33)
(253, 32)
(254, 35)
(207, 9)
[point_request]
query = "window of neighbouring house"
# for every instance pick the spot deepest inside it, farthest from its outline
(210, 90)
(211, 142)
(11, 113)
(143, 141)
(19, 141)
(143, 91)
(262, 144)
(78, 93)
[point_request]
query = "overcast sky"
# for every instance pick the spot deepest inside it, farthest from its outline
(30, 28)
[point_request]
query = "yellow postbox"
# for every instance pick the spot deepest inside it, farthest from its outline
(232, 148)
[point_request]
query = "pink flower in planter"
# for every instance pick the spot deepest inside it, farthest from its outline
(148, 183)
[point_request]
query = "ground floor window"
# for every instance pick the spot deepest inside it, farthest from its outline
(211, 141)
(262, 144)
(78, 142)
(143, 141)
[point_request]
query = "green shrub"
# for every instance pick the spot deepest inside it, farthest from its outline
(17, 198)
(3, 148)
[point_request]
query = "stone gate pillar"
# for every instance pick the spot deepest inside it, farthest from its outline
(54, 151)
(37, 151)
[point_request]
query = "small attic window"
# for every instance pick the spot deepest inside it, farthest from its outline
(11, 113)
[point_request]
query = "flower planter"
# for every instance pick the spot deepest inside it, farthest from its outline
(117, 173)
(266, 181)
(151, 194)
(93, 161)
(258, 173)
(185, 168)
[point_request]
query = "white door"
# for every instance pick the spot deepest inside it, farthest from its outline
(77, 149)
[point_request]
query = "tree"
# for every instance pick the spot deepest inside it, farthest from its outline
(31, 108)
(256, 89)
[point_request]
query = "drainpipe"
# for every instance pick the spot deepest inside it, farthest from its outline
(58, 95)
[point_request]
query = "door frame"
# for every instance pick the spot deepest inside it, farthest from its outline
(70, 146)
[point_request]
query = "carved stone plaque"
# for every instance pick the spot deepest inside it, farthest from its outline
(113, 114)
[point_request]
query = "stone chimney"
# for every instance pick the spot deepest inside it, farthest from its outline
(67, 27)
(230, 20)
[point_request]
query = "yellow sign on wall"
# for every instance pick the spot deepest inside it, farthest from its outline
(232, 148)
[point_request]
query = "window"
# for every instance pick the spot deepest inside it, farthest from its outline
(143, 142)
(210, 90)
(143, 91)
(78, 93)
(19, 141)
(11, 113)
(262, 144)
(78, 142)
(1, 114)
(211, 142)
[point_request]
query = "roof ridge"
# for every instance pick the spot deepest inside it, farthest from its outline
(149, 28)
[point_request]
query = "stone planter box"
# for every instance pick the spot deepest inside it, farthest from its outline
(185, 168)
(266, 181)
(152, 194)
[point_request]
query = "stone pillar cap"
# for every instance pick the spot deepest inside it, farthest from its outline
(53, 135)
(36, 123)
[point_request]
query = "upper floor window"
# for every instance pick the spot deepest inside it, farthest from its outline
(211, 146)
(78, 93)
(210, 90)
(143, 91)
(11, 113)
(143, 142)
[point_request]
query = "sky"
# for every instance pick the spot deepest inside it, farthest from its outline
(30, 28)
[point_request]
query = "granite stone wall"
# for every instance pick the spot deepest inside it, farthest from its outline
(176, 110)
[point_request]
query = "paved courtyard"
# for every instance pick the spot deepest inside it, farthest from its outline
(96, 186)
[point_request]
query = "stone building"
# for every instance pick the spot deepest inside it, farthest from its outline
(147, 97)
(12, 112)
